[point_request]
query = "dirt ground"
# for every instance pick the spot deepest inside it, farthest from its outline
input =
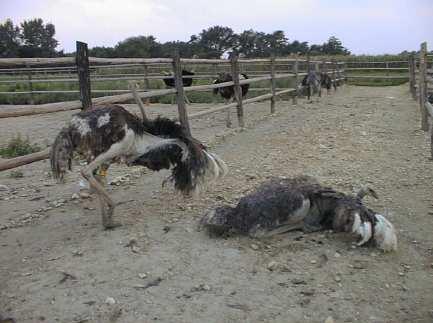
(58, 265)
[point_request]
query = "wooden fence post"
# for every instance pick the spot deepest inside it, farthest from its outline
(318, 68)
(412, 79)
(422, 86)
(296, 71)
(237, 89)
(180, 95)
(30, 84)
(82, 61)
(273, 84)
(146, 82)
(334, 78)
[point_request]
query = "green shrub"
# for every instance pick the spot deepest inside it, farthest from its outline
(18, 147)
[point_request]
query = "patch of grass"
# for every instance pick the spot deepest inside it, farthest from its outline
(16, 174)
(18, 146)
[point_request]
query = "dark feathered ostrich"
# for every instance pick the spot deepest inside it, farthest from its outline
(186, 81)
(311, 84)
(228, 92)
(109, 133)
(326, 82)
(301, 203)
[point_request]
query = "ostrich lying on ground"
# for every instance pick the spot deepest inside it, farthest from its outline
(109, 133)
(311, 83)
(281, 205)
(228, 92)
(186, 81)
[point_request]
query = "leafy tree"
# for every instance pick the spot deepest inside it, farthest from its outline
(214, 41)
(38, 39)
(185, 49)
(334, 47)
(140, 46)
(276, 43)
(298, 47)
(9, 39)
(102, 51)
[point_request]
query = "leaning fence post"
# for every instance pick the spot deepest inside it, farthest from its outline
(146, 82)
(296, 71)
(422, 86)
(273, 84)
(237, 89)
(82, 61)
(180, 95)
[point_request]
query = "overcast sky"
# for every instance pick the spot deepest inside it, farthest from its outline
(364, 26)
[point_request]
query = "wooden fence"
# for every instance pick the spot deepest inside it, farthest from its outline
(269, 70)
(421, 86)
(386, 70)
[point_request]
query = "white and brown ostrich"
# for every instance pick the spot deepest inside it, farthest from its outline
(109, 133)
(186, 81)
(228, 92)
(301, 203)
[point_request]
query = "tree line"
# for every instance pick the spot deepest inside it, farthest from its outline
(34, 38)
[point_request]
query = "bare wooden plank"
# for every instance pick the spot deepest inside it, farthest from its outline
(180, 95)
(36, 61)
(423, 86)
(99, 60)
(82, 60)
(376, 77)
(74, 105)
(295, 71)
(273, 84)
(24, 160)
(146, 81)
(237, 89)
(412, 80)
(377, 69)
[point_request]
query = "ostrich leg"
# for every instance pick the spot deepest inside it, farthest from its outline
(228, 120)
(107, 204)
(186, 99)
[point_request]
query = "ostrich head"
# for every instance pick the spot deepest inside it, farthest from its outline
(216, 220)
(352, 216)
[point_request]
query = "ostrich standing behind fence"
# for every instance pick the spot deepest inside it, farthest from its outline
(326, 82)
(228, 92)
(186, 81)
(109, 133)
(311, 83)
(301, 203)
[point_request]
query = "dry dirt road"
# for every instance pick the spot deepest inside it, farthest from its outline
(58, 265)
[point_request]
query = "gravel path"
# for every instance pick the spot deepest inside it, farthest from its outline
(58, 265)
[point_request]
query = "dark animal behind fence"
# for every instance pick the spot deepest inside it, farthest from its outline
(326, 82)
(187, 81)
(311, 83)
(228, 92)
